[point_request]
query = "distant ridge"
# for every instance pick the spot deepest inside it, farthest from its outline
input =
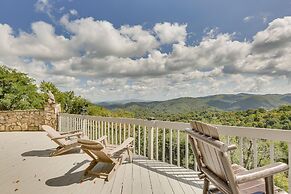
(225, 102)
(118, 102)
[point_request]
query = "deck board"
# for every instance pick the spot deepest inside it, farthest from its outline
(27, 168)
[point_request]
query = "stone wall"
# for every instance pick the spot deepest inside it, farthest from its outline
(29, 120)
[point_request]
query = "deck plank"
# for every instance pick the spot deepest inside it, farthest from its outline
(146, 183)
(28, 168)
(155, 183)
(136, 182)
(117, 186)
(127, 179)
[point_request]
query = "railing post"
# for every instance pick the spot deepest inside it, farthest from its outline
(59, 122)
(164, 145)
(241, 154)
(151, 143)
(255, 149)
(84, 126)
(187, 151)
(272, 151)
(289, 172)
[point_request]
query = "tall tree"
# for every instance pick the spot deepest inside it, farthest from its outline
(18, 91)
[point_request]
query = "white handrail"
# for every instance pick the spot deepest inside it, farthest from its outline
(172, 133)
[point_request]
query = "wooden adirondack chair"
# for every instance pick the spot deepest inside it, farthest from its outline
(111, 155)
(215, 166)
(66, 141)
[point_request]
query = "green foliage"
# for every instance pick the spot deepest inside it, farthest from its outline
(98, 110)
(281, 181)
(223, 102)
(279, 118)
(18, 91)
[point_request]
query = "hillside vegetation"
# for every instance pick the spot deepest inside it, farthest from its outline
(223, 102)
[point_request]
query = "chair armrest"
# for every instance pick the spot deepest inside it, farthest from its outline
(124, 145)
(103, 140)
(70, 132)
(68, 135)
(261, 172)
(231, 147)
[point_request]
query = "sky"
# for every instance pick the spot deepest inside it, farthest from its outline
(150, 49)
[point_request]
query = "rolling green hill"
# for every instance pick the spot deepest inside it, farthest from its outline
(225, 102)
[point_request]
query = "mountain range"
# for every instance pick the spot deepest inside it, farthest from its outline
(224, 102)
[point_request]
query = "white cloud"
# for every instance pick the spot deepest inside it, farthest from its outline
(42, 43)
(45, 6)
(127, 61)
(170, 33)
(101, 38)
(73, 12)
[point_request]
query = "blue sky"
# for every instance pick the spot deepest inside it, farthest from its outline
(132, 48)
(226, 15)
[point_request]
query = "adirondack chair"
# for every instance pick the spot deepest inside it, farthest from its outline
(66, 140)
(215, 166)
(110, 155)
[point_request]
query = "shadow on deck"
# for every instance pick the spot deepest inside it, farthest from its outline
(27, 168)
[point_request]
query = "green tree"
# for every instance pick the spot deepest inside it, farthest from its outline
(70, 103)
(18, 91)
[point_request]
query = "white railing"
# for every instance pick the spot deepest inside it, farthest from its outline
(166, 141)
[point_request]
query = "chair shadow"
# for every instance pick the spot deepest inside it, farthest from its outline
(46, 152)
(186, 176)
(70, 177)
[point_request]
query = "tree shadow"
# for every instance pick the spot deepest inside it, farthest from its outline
(70, 177)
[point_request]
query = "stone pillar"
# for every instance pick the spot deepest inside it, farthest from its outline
(51, 111)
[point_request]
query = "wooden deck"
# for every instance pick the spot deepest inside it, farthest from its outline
(26, 168)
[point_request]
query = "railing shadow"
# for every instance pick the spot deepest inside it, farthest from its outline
(46, 152)
(180, 174)
(70, 177)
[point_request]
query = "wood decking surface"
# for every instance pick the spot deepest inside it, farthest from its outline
(25, 167)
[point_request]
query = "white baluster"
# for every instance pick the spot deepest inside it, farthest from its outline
(157, 143)
(164, 145)
(187, 151)
(178, 147)
(139, 140)
(171, 146)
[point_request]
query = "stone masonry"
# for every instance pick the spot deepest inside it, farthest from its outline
(29, 120)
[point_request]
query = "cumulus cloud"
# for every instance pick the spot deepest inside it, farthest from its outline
(41, 44)
(45, 6)
(101, 38)
(171, 33)
(127, 61)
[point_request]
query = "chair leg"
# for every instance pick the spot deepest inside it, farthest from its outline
(62, 150)
(269, 185)
(206, 186)
(90, 167)
(129, 152)
(112, 172)
(57, 151)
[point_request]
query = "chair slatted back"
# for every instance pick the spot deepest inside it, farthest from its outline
(52, 133)
(96, 150)
(209, 155)
(212, 158)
